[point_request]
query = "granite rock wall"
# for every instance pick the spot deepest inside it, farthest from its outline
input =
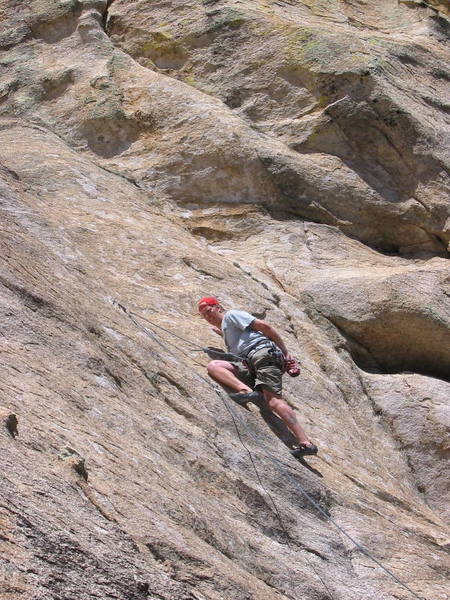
(290, 157)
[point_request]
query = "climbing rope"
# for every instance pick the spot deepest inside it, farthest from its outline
(212, 352)
(197, 347)
(220, 393)
(277, 512)
(331, 520)
(274, 460)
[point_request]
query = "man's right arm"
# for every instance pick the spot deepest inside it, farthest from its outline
(272, 334)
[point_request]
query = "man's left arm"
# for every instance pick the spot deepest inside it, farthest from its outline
(271, 333)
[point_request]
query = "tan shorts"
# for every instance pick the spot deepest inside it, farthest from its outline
(264, 371)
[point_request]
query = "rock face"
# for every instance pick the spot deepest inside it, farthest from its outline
(292, 158)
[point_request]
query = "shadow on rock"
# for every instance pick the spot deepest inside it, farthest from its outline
(110, 137)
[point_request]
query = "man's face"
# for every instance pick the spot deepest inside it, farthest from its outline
(209, 312)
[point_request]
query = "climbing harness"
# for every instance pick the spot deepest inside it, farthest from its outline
(273, 459)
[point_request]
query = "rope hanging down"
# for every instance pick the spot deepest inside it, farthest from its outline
(212, 352)
(274, 460)
(277, 512)
(220, 392)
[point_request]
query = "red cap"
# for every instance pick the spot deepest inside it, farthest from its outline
(209, 300)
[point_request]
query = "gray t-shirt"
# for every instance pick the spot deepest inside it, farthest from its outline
(238, 335)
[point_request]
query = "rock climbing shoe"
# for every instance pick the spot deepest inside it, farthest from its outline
(304, 450)
(242, 399)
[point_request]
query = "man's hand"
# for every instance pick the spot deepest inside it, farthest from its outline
(292, 367)
(217, 330)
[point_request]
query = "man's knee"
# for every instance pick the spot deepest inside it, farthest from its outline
(215, 365)
(212, 367)
(280, 406)
(275, 402)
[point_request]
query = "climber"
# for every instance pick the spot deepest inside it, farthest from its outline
(258, 376)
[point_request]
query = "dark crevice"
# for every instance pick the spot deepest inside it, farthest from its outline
(99, 368)
(105, 15)
(398, 343)
(10, 172)
(160, 377)
(315, 552)
(32, 300)
(122, 175)
(384, 247)
(189, 263)
(407, 507)
(274, 297)
(359, 353)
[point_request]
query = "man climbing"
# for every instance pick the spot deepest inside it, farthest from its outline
(260, 376)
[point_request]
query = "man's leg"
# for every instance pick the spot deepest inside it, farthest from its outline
(226, 374)
(281, 408)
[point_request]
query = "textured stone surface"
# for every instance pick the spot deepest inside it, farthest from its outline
(361, 144)
(292, 159)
